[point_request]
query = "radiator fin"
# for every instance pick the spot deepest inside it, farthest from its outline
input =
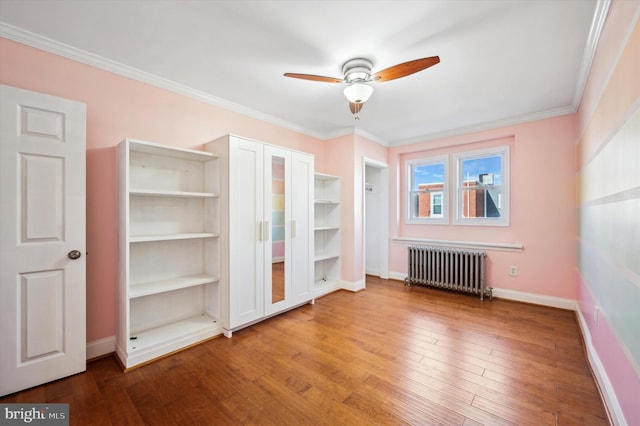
(448, 268)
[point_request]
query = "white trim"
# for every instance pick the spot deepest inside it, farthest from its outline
(600, 374)
(101, 347)
(515, 247)
(536, 299)
(354, 286)
(519, 296)
(597, 24)
(398, 276)
(488, 125)
(369, 136)
(35, 40)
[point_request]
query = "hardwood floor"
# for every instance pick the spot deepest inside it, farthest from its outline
(386, 355)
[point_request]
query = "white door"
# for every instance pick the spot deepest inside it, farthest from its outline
(247, 232)
(42, 239)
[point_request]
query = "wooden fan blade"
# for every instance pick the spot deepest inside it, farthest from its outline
(405, 69)
(355, 107)
(314, 77)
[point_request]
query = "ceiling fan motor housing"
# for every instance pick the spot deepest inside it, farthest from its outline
(358, 69)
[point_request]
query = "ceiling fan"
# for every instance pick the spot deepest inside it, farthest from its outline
(357, 74)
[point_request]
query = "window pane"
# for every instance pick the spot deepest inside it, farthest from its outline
(481, 186)
(485, 170)
(427, 180)
(480, 202)
(436, 204)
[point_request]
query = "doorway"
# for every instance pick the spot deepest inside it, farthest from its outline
(376, 218)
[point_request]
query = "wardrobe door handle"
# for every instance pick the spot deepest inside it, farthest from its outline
(259, 231)
(266, 230)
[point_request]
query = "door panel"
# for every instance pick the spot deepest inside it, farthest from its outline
(42, 194)
(41, 313)
(246, 244)
(41, 188)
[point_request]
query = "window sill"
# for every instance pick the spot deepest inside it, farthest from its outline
(482, 245)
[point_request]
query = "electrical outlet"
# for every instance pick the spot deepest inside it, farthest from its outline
(513, 271)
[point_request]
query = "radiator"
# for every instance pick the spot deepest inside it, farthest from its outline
(448, 268)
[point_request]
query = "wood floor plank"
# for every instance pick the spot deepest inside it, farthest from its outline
(388, 355)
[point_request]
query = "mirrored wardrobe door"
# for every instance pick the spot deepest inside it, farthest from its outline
(278, 242)
(277, 216)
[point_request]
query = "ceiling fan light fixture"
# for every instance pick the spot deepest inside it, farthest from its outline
(358, 93)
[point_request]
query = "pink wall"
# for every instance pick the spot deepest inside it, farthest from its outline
(611, 97)
(542, 216)
(119, 107)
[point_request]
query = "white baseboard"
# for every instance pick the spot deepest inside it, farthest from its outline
(604, 384)
(536, 299)
(397, 276)
(354, 286)
(98, 348)
(520, 296)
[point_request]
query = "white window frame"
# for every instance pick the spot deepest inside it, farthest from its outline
(504, 219)
(441, 219)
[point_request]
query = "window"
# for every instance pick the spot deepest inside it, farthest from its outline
(427, 194)
(436, 204)
(482, 187)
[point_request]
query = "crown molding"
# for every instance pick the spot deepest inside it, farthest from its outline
(597, 24)
(489, 125)
(64, 50)
(43, 43)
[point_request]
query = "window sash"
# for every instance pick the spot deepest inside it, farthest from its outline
(492, 208)
(415, 194)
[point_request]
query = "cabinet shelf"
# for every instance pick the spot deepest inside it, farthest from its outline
(169, 151)
(170, 237)
(161, 286)
(324, 176)
(325, 256)
(176, 194)
(326, 202)
(195, 325)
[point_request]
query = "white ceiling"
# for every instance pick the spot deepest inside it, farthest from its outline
(502, 61)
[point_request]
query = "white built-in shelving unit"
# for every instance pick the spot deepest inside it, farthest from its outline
(169, 260)
(327, 234)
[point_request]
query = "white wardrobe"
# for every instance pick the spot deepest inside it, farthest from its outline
(266, 229)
